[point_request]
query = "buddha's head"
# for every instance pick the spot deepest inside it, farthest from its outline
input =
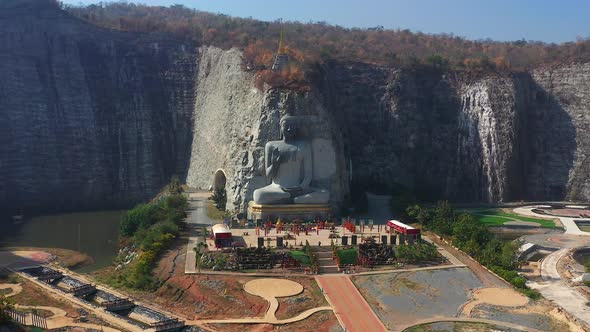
(289, 127)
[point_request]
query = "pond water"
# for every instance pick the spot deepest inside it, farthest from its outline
(507, 236)
(582, 256)
(94, 233)
(537, 256)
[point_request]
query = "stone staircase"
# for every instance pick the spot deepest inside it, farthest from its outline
(326, 264)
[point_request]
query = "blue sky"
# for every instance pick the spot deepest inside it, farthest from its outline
(546, 20)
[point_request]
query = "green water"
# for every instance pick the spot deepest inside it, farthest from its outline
(93, 233)
(507, 236)
(582, 257)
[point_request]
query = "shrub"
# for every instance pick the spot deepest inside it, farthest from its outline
(152, 227)
(531, 293)
(141, 216)
(220, 198)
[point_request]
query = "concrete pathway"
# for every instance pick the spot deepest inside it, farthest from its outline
(351, 308)
(555, 289)
(568, 223)
(197, 217)
(263, 320)
(452, 259)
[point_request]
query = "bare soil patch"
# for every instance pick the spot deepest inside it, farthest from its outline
(311, 297)
(67, 258)
(504, 297)
(207, 297)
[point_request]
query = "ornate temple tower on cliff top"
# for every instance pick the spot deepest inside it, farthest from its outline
(282, 57)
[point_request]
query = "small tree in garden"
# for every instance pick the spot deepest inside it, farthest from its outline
(220, 198)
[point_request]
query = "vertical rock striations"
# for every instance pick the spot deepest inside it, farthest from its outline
(92, 117)
(495, 138)
(88, 117)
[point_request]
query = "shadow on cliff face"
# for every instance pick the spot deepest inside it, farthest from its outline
(544, 157)
(91, 118)
(398, 126)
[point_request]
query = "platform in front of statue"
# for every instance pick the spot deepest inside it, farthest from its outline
(288, 211)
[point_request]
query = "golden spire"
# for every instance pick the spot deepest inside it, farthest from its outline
(281, 42)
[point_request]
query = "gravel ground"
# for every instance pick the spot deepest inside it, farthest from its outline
(534, 320)
(410, 296)
(459, 327)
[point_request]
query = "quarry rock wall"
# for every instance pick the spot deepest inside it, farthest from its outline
(93, 118)
(89, 117)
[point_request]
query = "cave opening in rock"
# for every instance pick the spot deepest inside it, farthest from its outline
(219, 179)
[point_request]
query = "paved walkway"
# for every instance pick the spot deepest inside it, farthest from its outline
(197, 217)
(351, 308)
(555, 289)
(568, 223)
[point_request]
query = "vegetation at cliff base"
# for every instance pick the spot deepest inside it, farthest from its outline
(216, 206)
(475, 239)
(150, 229)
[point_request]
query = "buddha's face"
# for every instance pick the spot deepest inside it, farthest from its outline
(288, 128)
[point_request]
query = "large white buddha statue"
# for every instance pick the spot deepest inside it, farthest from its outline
(289, 164)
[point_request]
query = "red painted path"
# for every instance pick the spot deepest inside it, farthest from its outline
(349, 305)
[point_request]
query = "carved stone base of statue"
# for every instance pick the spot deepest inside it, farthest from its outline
(288, 211)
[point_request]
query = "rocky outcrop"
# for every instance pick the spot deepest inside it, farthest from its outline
(233, 121)
(227, 121)
(91, 117)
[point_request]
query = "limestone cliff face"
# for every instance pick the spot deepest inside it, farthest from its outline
(559, 150)
(233, 121)
(88, 117)
(94, 118)
(495, 138)
(227, 121)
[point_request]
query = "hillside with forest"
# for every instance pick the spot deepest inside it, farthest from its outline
(314, 43)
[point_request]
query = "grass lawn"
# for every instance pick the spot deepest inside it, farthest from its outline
(348, 256)
(497, 217)
(300, 256)
(213, 212)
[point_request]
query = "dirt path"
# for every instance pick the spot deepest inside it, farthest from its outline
(351, 309)
(486, 277)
